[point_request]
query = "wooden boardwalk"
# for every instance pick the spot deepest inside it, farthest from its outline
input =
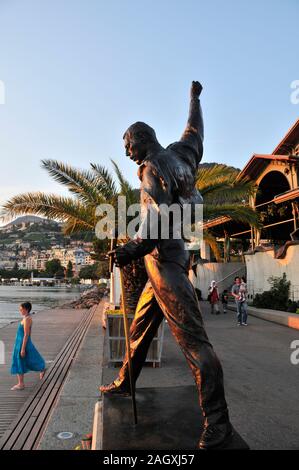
(23, 414)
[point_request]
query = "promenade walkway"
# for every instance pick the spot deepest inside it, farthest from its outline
(260, 380)
(74, 410)
(51, 331)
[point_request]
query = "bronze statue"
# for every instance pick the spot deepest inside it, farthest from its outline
(168, 176)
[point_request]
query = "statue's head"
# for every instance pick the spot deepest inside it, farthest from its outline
(138, 138)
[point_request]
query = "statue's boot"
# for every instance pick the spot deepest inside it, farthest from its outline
(115, 389)
(216, 436)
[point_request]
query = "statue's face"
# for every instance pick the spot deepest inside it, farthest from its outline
(135, 149)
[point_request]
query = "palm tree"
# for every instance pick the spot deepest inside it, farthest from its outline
(88, 189)
(225, 195)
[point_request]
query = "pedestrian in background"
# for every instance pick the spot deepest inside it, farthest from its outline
(236, 294)
(243, 301)
(239, 291)
(214, 298)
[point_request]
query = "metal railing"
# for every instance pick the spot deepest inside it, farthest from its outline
(241, 268)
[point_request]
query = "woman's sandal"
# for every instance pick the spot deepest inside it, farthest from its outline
(17, 387)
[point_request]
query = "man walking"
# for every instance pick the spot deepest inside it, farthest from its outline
(239, 293)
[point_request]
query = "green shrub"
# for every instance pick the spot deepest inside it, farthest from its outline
(292, 306)
(277, 298)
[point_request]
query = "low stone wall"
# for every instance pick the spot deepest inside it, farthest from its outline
(261, 265)
(282, 318)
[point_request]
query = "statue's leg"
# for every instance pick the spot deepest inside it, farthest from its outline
(147, 319)
(177, 299)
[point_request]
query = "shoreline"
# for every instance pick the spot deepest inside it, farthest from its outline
(42, 298)
(88, 298)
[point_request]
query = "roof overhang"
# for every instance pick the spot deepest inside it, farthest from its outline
(215, 222)
(259, 162)
(290, 140)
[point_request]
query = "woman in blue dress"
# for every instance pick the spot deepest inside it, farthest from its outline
(25, 357)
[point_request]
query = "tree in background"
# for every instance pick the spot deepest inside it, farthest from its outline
(88, 189)
(103, 269)
(15, 267)
(20, 273)
(88, 272)
(54, 268)
(225, 194)
(95, 271)
(69, 270)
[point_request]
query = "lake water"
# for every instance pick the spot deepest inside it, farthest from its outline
(42, 298)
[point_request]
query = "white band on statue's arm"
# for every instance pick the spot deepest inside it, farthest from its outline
(149, 225)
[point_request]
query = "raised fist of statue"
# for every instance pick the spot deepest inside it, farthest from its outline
(196, 89)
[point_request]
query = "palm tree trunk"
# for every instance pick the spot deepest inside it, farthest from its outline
(135, 278)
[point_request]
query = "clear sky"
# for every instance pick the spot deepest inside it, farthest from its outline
(77, 73)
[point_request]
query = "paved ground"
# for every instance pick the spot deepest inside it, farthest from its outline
(51, 329)
(74, 411)
(261, 383)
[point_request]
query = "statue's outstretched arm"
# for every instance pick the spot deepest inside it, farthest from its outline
(194, 132)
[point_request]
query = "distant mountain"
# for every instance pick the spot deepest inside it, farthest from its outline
(209, 164)
(27, 219)
(39, 232)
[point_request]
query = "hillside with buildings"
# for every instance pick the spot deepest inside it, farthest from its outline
(29, 242)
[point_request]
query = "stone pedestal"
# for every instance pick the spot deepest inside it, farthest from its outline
(169, 418)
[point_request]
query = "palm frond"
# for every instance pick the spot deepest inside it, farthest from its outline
(65, 209)
(223, 192)
(82, 183)
(125, 188)
(237, 212)
(207, 175)
(212, 242)
(219, 184)
(105, 182)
